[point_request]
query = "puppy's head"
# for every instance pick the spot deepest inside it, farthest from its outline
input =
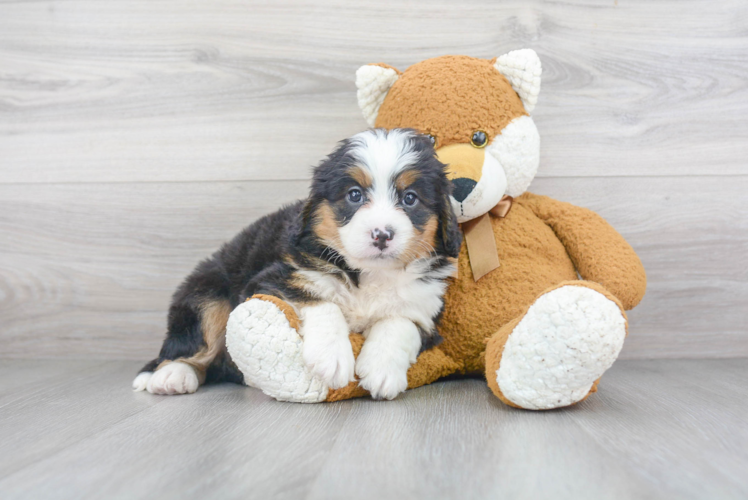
(381, 200)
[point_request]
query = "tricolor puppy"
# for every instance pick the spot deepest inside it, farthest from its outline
(368, 251)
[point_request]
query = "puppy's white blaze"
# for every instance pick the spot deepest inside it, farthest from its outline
(486, 194)
(384, 154)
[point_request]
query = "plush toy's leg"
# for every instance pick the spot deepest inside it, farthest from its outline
(554, 354)
(263, 340)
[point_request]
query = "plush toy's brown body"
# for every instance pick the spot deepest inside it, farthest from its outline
(538, 242)
(543, 245)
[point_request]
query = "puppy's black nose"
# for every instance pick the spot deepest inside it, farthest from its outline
(382, 237)
(462, 187)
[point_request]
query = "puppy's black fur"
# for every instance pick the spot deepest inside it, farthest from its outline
(263, 258)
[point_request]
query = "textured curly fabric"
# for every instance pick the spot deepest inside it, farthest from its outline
(464, 94)
(553, 354)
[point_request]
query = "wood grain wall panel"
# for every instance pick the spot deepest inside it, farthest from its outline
(225, 91)
(88, 269)
(136, 136)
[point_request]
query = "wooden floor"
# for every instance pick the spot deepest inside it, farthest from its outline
(657, 429)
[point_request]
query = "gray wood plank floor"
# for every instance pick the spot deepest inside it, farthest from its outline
(656, 429)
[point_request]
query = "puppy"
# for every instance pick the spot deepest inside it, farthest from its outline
(368, 251)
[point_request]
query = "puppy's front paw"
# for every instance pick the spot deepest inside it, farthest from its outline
(174, 378)
(390, 348)
(330, 358)
(382, 377)
(327, 352)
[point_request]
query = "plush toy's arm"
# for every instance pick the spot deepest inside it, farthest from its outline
(599, 253)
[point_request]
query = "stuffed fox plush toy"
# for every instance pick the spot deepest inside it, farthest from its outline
(518, 311)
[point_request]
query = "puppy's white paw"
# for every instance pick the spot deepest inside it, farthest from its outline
(327, 350)
(174, 378)
(141, 381)
(330, 358)
(390, 348)
(383, 378)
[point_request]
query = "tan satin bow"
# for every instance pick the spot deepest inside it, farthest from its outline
(480, 241)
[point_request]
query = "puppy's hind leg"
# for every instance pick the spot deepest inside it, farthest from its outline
(195, 342)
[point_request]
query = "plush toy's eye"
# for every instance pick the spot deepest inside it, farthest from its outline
(432, 139)
(479, 139)
(355, 195)
(410, 199)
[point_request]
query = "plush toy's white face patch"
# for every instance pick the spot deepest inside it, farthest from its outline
(483, 195)
(517, 150)
(481, 177)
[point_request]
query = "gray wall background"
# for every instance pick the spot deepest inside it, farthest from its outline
(136, 136)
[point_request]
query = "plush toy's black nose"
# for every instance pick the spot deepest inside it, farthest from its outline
(462, 188)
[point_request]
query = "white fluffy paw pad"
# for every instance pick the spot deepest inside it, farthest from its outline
(173, 378)
(569, 337)
(385, 382)
(269, 353)
(141, 381)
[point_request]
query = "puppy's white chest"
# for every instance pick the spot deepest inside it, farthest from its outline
(384, 294)
(376, 298)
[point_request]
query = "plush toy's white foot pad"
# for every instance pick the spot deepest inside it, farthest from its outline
(569, 337)
(174, 378)
(269, 353)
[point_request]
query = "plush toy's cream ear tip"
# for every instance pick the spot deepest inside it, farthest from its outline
(523, 70)
(373, 82)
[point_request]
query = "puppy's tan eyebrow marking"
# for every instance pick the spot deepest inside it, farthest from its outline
(361, 176)
(406, 178)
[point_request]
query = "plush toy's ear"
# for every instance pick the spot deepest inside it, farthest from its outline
(373, 82)
(522, 69)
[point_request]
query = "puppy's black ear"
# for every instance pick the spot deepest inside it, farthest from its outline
(323, 176)
(301, 230)
(449, 229)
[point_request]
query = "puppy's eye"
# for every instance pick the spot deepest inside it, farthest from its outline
(479, 139)
(432, 139)
(355, 195)
(410, 199)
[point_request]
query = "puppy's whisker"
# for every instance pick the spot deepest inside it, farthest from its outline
(334, 255)
(428, 247)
